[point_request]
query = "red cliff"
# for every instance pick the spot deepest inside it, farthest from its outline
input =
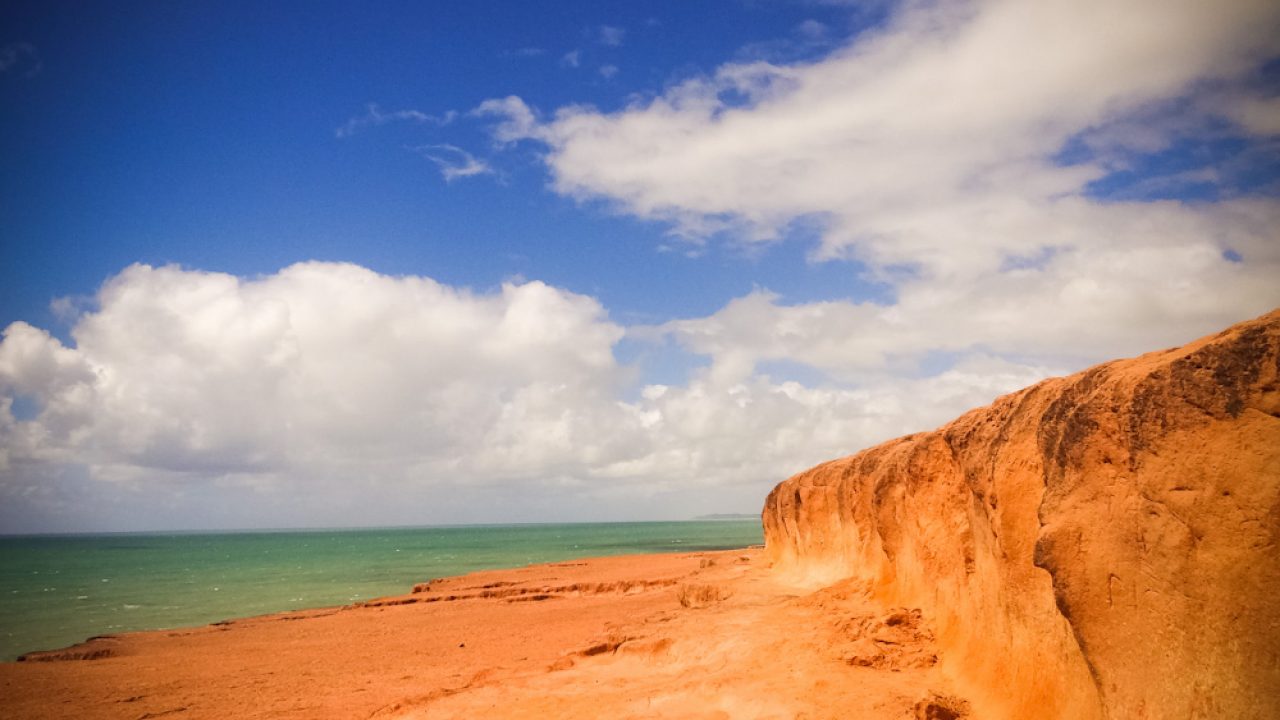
(1102, 545)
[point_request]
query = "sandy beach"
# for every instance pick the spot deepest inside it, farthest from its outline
(700, 635)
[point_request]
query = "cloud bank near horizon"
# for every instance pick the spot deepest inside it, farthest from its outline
(347, 394)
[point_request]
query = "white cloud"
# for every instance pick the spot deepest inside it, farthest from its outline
(811, 29)
(375, 116)
(1065, 309)
(330, 394)
(571, 59)
(1259, 115)
(453, 161)
(608, 71)
(609, 35)
(926, 151)
(945, 108)
(517, 120)
(319, 372)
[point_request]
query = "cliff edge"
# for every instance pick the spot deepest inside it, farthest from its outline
(1102, 545)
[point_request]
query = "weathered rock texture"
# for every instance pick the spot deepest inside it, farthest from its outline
(1097, 546)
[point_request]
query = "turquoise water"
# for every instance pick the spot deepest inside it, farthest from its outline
(59, 590)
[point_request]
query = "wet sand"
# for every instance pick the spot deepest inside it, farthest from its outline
(699, 635)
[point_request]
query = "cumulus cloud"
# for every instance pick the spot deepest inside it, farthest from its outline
(933, 153)
(327, 389)
(323, 372)
(951, 105)
(1066, 308)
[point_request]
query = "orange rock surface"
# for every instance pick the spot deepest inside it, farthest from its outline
(1102, 545)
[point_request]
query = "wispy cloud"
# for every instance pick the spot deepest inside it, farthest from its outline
(608, 71)
(20, 57)
(516, 120)
(525, 52)
(609, 35)
(376, 116)
(453, 161)
(807, 40)
(571, 59)
(812, 29)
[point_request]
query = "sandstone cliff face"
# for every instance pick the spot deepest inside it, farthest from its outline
(1097, 546)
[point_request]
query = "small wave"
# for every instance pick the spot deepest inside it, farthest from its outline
(131, 607)
(82, 597)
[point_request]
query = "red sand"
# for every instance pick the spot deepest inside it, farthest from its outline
(704, 635)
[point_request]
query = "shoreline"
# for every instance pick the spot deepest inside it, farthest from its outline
(575, 638)
(57, 592)
(72, 650)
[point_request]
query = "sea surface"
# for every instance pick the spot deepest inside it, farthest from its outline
(59, 590)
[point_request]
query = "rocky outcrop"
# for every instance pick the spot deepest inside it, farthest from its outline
(1102, 545)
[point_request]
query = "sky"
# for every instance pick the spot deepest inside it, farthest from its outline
(323, 265)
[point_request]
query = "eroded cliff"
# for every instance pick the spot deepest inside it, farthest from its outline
(1102, 545)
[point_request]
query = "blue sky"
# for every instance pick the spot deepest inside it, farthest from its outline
(720, 241)
(206, 137)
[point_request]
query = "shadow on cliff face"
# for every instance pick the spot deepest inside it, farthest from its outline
(1101, 545)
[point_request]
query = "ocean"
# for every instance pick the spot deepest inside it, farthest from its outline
(60, 590)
